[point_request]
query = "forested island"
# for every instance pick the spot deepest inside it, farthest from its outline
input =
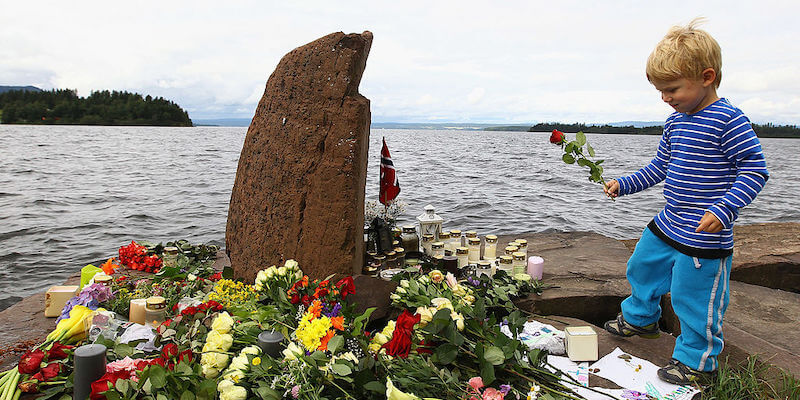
(767, 130)
(65, 107)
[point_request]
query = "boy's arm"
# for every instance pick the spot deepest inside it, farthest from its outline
(741, 146)
(650, 175)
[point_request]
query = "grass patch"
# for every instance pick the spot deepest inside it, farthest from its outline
(753, 379)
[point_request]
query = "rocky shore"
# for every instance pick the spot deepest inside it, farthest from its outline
(587, 275)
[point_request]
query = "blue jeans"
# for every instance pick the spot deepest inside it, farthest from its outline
(700, 294)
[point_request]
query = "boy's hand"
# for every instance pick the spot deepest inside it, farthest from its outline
(709, 223)
(611, 188)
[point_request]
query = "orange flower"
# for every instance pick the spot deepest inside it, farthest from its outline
(109, 267)
(324, 341)
(338, 322)
(304, 281)
(315, 308)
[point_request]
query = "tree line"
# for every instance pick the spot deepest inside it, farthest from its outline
(63, 106)
(765, 130)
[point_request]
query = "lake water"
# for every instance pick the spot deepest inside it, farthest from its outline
(73, 195)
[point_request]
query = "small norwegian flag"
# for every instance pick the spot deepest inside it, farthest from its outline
(390, 186)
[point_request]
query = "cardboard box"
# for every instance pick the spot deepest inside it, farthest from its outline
(580, 343)
(56, 297)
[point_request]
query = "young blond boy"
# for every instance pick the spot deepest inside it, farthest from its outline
(711, 163)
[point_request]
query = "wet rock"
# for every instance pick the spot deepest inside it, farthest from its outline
(299, 188)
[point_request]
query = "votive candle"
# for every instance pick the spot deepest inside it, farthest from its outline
(137, 310)
(535, 267)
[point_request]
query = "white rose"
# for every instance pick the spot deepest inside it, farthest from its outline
(441, 303)
(282, 271)
(404, 283)
(216, 341)
(191, 277)
(254, 350)
(459, 320)
(234, 393)
(292, 351)
(234, 375)
(222, 323)
(400, 290)
(261, 277)
(424, 279)
(298, 275)
(210, 372)
(271, 271)
(239, 363)
(380, 339)
(395, 296)
(425, 316)
(224, 385)
(292, 265)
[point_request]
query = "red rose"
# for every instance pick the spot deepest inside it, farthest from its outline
(185, 356)
(30, 361)
(320, 293)
(557, 137)
(306, 300)
(400, 344)
(170, 350)
(346, 286)
(57, 352)
(50, 371)
(106, 383)
(294, 299)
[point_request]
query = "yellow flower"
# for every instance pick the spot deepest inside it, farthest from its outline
(256, 360)
(222, 323)
(292, 351)
(234, 393)
(218, 341)
(441, 303)
(310, 331)
(436, 276)
(425, 316)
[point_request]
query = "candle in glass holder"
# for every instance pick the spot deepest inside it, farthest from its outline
(155, 311)
(427, 241)
(506, 265)
(90, 365)
(444, 237)
(137, 308)
(490, 248)
(450, 264)
(523, 246)
(470, 234)
(455, 240)
(270, 343)
(511, 250)
(462, 253)
(474, 246)
(518, 264)
(484, 268)
(437, 249)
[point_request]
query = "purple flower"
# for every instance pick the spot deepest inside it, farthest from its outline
(91, 296)
(505, 389)
(336, 308)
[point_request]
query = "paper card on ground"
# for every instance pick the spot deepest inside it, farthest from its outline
(638, 375)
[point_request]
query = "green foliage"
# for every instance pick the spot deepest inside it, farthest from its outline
(753, 379)
(63, 106)
(575, 152)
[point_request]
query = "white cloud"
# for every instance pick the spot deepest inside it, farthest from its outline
(516, 61)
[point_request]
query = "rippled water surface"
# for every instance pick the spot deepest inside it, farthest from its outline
(72, 195)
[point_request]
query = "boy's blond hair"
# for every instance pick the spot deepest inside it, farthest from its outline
(685, 52)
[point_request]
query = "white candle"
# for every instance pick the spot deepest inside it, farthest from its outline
(518, 263)
(463, 256)
(474, 245)
(137, 310)
(490, 249)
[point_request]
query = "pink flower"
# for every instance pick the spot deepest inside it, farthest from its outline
(492, 394)
(452, 282)
(476, 383)
(126, 364)
(295, 391)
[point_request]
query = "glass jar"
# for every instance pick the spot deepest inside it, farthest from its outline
(396, 243)
(506, 264)
(518, 264)
(523, 246)
(474, 246)
(169, 256)
(409, 238)
(450, 264)
(484, 268)
(438, 261)
(455, 240)
(470, 234)
(437, 249)
(427, 241)
(103, 279)
(391, 260)
(511, 250)
(155, 311)
(401, 257)
(490, 248)
(462, 253)
(379, 262)
(444, 237)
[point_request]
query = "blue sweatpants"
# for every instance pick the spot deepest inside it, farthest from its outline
(700, 294)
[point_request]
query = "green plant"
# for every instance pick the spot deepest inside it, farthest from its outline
(753, 379)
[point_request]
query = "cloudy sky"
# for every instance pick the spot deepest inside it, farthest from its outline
(465, 61)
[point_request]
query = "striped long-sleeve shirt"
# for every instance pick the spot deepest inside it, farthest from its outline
(709, 161)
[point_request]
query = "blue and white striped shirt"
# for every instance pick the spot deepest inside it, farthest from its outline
(710, 161)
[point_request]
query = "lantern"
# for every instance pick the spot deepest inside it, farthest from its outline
(430, 223)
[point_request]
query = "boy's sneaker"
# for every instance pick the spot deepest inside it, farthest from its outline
(678, 373)
(620, 327)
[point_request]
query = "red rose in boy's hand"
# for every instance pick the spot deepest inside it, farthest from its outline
(557, 137)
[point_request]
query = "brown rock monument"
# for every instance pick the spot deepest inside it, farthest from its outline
(299, 189)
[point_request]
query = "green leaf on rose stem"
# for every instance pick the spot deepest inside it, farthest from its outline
(584, 162)
(494, 355)
(335, 343)
(569, 159)
(158, 376)
(590, 149)
(122, 386)
(375, 386)
(341, 369)
(446, 353)
(207, 390)
(580, 137)
(487, 372)
(266, 393)
(187, 395)
(570, 147)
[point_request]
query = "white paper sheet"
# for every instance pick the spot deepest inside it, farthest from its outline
(639, 375)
